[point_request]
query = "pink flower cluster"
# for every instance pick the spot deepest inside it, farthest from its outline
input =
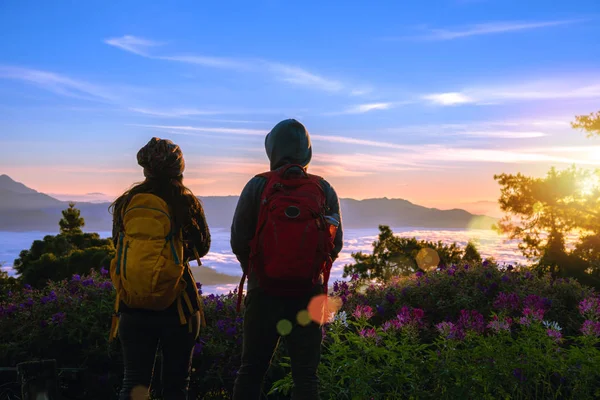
(405, 317)
(361, 312)
(554, 334)
(368, 333)
(471, 321)
(590, 308)
(499, 325)
(531, 315)
(450, 330)
(591, 328)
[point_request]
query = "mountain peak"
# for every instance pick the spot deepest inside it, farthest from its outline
(8, 183)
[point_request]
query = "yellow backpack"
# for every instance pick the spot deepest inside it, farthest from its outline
(147, 270)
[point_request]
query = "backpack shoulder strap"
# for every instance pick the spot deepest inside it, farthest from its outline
(265, 175)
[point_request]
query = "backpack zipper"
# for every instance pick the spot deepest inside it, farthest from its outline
(125, 261)
(120, 247)
(148, 208)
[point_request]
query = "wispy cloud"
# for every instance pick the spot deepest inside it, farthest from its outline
(365, 108)
(192, 129)
(557, 89)
(448, 99)
(58, 84)
(286, 73)
(429, 155)
(214, 62)
(174, 113)
(299, 76)
(263, 132)
(133, 44)
(490, 28)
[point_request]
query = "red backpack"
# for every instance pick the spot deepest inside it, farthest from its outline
(293, 241)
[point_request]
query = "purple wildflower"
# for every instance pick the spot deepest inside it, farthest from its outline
(106, 285)
(505, 278)
(531, 315)
(390, 297)
(450, 330)
(103, 271)
(535, 302)
(554, 334)
(368, 333)
(419, 274)
(590, 307)
(507, 302)
(231, 331)
(498, 325)
(88, 282)
(59, 318)
(76, 278)
(27, 286)
(354, 277)
(363, 312)
(471, 321)
(591, 328)
(10, 309)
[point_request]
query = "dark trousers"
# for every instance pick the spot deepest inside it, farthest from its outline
(140, 335)
(262, 313)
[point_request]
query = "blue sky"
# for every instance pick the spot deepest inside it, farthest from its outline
(420, 100)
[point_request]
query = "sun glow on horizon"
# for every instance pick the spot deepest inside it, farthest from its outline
(589, 185)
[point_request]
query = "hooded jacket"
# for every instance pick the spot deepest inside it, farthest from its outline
(287, 143)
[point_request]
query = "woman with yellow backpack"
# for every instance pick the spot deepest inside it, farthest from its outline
(158, 226)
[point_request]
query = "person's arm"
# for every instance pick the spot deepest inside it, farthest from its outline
(245, 219)
(197, 237)
(334, 208)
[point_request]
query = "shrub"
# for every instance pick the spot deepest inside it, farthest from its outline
(59, 257)
(458, 332)
(395, 256)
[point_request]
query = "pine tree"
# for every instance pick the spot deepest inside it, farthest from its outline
(71, 222)
(471, 253)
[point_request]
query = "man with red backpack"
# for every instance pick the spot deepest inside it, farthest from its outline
(286, 233)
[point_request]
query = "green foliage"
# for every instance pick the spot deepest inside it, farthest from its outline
(7, 283)
(443, 294)
(541, 212)
(471, 254)
(60, 256)
(71, 222)
(462, 332)
(395, 256)
(589, 123)
(372, 357)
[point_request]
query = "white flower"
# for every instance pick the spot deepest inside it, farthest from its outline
(341, 318)
(552, 325)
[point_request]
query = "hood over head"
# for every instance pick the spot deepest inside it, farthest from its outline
(288, 143)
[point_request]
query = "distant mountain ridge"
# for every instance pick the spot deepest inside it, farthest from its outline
(25, 209)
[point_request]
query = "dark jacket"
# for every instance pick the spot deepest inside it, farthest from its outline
(287, 143)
